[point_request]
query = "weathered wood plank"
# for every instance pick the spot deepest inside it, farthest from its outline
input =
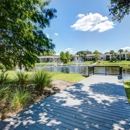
(98, 102)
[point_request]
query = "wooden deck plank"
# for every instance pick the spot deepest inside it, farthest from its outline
(72, 113)
(98, 102)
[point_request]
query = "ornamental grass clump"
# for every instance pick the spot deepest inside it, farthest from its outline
(4, 93)
(3, 77)
(22, 77)
(41, 79)
(20, 97)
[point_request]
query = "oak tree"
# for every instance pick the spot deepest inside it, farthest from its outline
(21, 31)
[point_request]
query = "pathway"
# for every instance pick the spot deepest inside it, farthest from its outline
(96, 103)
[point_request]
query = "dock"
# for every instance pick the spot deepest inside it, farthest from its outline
(98, 102)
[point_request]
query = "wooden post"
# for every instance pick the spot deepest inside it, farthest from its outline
(120, 71)
(105, 70)
(93, 70)
(88, 70)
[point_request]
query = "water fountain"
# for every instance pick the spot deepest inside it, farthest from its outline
(78, 60)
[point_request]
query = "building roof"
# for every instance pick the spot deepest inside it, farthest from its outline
(90, 54)
(123, 53)
(55, 56)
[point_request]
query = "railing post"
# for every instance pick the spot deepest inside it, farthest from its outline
(88, 70)
(120, 71)
(105, 70)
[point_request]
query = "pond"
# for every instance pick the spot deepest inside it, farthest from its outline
(83, 69)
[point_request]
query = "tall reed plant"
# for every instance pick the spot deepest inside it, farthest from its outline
(20, 97)
(3, 77)
(41, 79)
(4, 93)
(21, 77)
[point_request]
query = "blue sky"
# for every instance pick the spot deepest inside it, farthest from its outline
(87, 25)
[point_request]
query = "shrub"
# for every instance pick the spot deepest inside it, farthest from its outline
(3, 77)
(42, 79)
(67, 70)
(19, 98)
(4, 92)
(91, 62)
(128, 93)
(21, 77)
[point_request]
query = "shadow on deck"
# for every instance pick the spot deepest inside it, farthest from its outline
(100, 105)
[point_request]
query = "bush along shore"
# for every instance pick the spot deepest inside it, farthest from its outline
(127, 89)
(19, 90)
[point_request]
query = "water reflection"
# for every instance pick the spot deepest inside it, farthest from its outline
(84, 70)
(65, 70)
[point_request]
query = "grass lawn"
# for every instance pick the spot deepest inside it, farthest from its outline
(88, 62)
(127, 89)
(44, 64)
(125, 64)
(73, 77)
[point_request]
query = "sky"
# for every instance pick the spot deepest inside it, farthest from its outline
(86, 25)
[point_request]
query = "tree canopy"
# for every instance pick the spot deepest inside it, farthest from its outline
(111, 51)
(48, 53)
(120, 50)
(119, 8)
(21, 31)
(84, 52)
(96, 52)
(65, 56)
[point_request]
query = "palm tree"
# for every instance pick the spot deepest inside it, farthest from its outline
(120, 50)
(112, 53)
(115, 56)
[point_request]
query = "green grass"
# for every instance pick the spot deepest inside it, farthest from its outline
(88, 62)
(127, 89)
(125, 64)
(12, 75)
(73, 78)
(70, 63)
(44, 64)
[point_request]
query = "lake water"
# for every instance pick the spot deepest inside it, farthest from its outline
(80, 69)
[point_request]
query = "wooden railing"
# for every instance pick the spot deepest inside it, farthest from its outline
(105, 70)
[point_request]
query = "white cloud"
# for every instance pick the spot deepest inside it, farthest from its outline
(80, 15)
(69, 50)
(126, 48)
(56, 34)
(93, 22)
(47, 35)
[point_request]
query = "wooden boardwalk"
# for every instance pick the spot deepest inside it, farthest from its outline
(96, 103)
